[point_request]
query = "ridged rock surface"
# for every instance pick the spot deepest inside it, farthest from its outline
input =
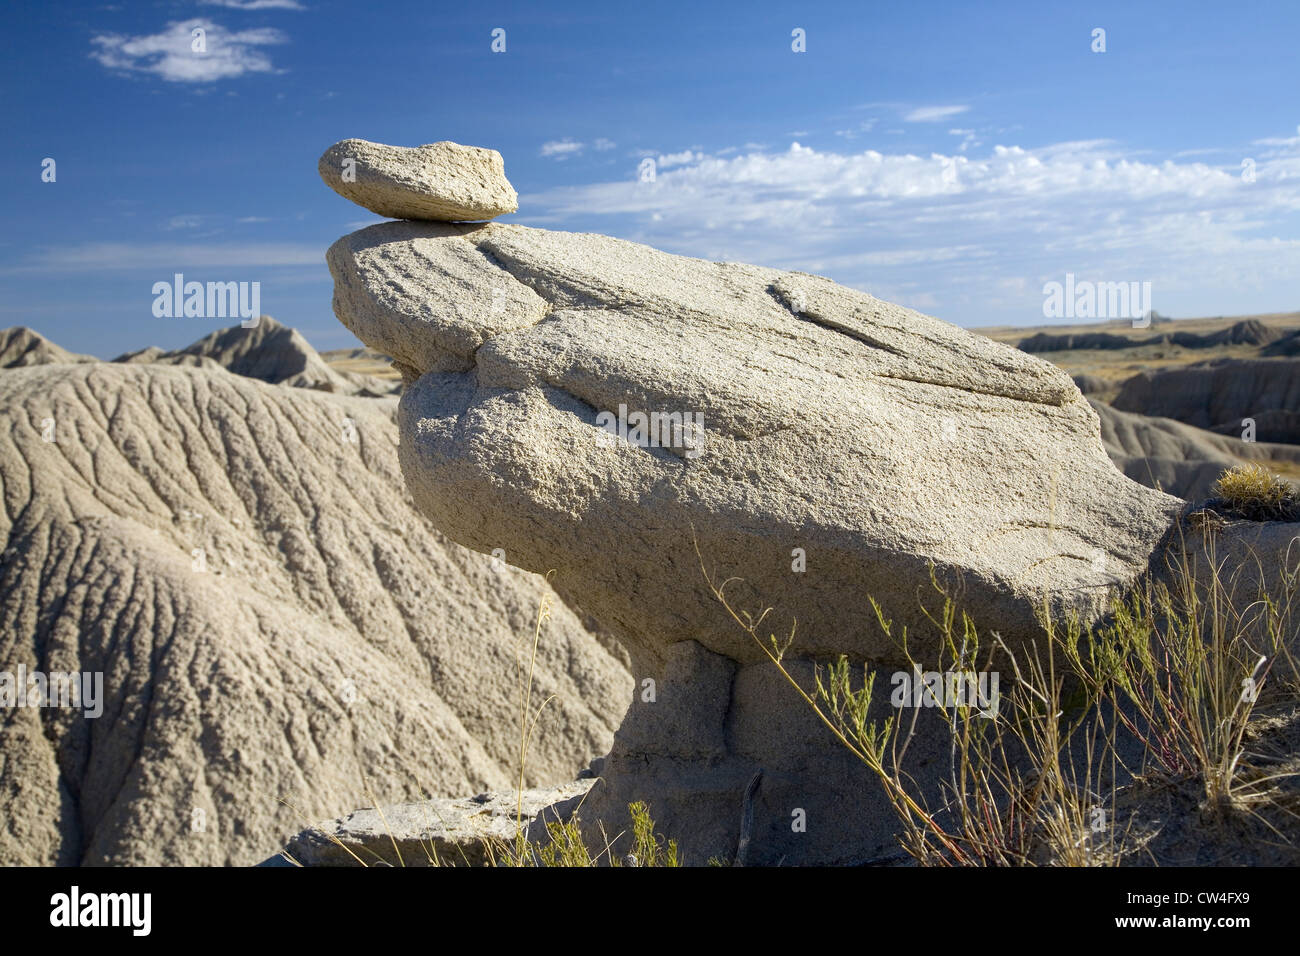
(443, 182)
(1219, 395)
(272, 617)
(875, 438)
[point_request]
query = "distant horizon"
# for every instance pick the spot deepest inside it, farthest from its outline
(950, 159)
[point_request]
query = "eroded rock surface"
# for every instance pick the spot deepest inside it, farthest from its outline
(848, 445)
(271, 616)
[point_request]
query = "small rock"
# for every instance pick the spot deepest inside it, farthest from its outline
(442, 182)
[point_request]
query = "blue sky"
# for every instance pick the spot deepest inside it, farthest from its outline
(953, 157)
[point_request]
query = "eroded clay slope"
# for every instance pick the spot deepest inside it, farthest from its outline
(272, 617)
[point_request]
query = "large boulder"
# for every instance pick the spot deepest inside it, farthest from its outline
(443, 182)
(876, 439)
(848, 447)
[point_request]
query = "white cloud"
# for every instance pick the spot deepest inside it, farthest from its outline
(602, 144)
(255, 4)
(561, 148)
(170, 54)
(253, 219)
(933, 114)
(866, 126)
(980, 233)
(667, 161)
(968, 140)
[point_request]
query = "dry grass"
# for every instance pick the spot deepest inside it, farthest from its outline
(1256, 494)
(1097, 727)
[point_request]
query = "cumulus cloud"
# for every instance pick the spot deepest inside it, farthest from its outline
(172, 55)
(934, 114)
(562, 148)
(977, 234)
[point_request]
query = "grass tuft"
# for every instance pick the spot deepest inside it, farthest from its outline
(1253, 492)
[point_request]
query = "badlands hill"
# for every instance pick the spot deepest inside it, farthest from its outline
(272, 618)
(20, 347)
(1174, 398)
(1222, 396)
(1179, 458)
(269, 351)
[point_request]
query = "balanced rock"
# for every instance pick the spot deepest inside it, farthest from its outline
(443, 182)
(621, 416)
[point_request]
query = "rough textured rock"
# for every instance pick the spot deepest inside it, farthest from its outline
(1220, 394)
(875, 438)
(1179, 459)
(442, 182)
(864, 438)
(21, 347)
(269, 351)
(434, 832)
(272, 617)
(144, 356)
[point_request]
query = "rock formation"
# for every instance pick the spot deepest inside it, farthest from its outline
(1246, 332)
(1220, 395)
(449, 832)
(271, 617)
(21, 347)
(443, 182)
(604, 409)
(1179, 459)
(1091, 384)
(270, 352)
